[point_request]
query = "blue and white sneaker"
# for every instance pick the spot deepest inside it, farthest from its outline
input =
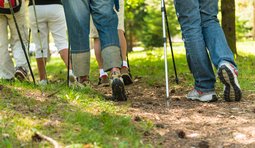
(228, 76)
(202, 96)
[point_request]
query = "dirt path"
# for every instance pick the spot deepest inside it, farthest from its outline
(191, 123)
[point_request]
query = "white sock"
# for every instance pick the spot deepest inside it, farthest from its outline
(124, 63)
(102, 72)
(70, 71)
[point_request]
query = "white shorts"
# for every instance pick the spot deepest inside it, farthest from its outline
(93, 30)
(50, 18)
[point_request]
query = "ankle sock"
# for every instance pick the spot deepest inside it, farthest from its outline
(124, 63)
(102, 72)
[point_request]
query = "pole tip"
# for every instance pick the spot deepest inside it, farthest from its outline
(177, 80)
(167, 102)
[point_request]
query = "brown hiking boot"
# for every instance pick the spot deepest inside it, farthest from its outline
(118, 90)
(103, 81)
(82, 82)
(21, 74)
(125, 74)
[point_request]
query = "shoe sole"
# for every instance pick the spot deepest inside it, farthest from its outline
(118, 91)
(214, 99)
(227, 78)
(127, 79)
(20, 76)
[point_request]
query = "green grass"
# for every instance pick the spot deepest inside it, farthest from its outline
(73, 117)
(82, 116)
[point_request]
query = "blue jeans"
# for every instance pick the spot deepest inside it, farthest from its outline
(78, 22)
(202, 33)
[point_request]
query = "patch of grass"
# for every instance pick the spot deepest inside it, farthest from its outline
(72, 117)
(82, 116)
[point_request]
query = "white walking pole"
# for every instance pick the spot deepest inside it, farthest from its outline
(165, 52)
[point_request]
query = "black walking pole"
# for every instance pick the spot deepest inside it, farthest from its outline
(68, 62)
(21, 41)
(28, 43)
(170, 42)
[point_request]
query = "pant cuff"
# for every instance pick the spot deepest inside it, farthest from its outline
(111, 57)
(81, 64)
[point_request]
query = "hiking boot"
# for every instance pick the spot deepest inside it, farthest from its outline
(228, 76)
(21, 74)
(84, 82)
(125, 74)
(202, 96)
(118, 90)
(103, 81)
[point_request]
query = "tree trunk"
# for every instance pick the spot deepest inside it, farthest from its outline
(228, 22)
(129, 39)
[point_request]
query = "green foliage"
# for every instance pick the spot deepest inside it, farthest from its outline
(144, 21)
(135, 10)
(242, 29)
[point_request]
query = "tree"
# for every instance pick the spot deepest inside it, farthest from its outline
(144, 22)
(152, 34)
(135, 11)
(228, 22)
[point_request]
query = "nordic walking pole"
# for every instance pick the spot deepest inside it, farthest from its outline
(21, 41)
(171, 45)
(39, 37)
(68, 62)
(165, 53)
(28, 43)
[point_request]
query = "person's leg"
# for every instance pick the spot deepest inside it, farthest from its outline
(103, 79)
(57, 27)
(18, 52)
(40, 40)
(6, 64)
(188, 13)
(213, 34)
(78, 17)
(98, 55)
(97, 46)
(121, 32)
(123, 45)
(220, 52)
(106, 21)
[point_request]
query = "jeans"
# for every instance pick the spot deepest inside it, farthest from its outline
(203, 36)
(78, 22)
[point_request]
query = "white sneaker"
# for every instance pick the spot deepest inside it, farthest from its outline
(43, 83)
(228, 76)
(202, 96)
